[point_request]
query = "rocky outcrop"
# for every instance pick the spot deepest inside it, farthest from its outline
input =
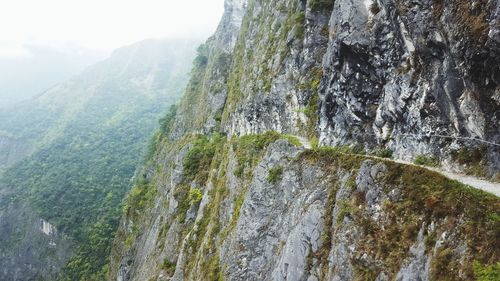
(413, 77)
(229, 196)
(31, 248)
(302, 215)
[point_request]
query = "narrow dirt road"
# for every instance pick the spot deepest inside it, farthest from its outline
(490, 187)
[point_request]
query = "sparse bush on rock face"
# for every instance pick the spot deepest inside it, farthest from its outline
(425, 161)
(486, 273)
(320, 5)
(374, 8)
(195, 195)
(275, 174)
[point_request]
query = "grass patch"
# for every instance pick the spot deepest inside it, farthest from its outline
(199, 157)
(249, 150)
(426, 161)
(433, 197)
(293, 140)
(425, 197)
(383, 153)
(275, 174)
(195, 196)
(321, 5)
(486, 272)
(345, 210)
(299, 21)
(140, 197)
(473, 158)
(168, 267)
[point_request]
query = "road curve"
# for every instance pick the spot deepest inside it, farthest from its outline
(490, 187)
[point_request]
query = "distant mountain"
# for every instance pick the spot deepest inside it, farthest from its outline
(44, 67)
(81, 142)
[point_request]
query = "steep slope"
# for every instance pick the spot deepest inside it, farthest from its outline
(86, 137)
(230, 194)
(257, 209)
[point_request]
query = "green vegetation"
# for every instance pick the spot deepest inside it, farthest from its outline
(425, 161)
(472, 158)
(314, 143)
(467, 155)
(140, 197)
(168, 266)
(326, 236)
(312, 113)
(181, 195)
(345, 210)
(426, 197)
(208, 227)
(199, 158)
(299, 21)
(275, 174)
(353, 149)
(88, 172)
(383, 153)
(236, 210)
(362, 273)
(312, 85)
(486, 273)
(193, 103)
(195, 196)
(167, 122)
(441, 262)
(321, 5)
(433, 197)
(198, 163)
(202, 56)
(249, 149)
(293, 140)
(89, 137)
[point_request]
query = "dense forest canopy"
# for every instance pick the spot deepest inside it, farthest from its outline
(88, 136)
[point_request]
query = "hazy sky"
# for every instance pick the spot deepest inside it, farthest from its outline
(102, 25)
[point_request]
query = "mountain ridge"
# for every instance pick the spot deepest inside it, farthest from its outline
(84, 139)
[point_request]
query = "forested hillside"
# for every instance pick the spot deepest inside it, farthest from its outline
(85, 139)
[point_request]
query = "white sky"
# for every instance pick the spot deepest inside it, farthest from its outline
(101, 25)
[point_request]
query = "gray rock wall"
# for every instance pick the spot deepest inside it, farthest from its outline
(417, 77)
(327, 216)
(410, 77)
(30, 248)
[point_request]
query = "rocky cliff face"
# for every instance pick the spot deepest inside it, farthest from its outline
(31, 248)
(414, 77)
(228, 195)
